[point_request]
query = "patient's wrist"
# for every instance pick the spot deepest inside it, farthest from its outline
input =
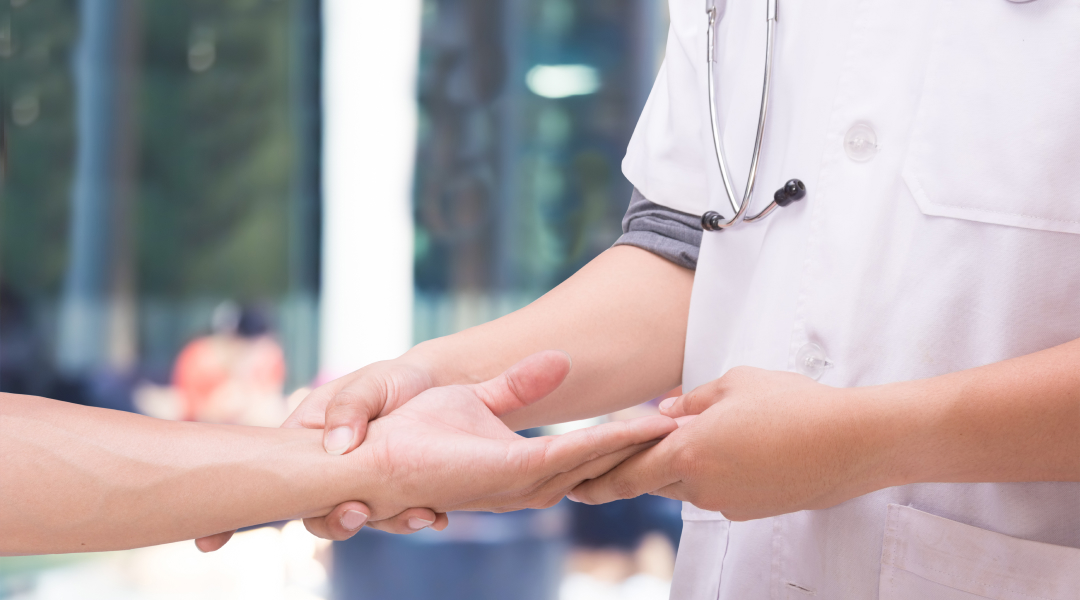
(327, 480)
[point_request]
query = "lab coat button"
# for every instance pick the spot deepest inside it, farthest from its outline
(811, 361)
(860, 143)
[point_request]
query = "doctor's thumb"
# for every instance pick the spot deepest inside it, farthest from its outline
(346, 423)
(683, 406)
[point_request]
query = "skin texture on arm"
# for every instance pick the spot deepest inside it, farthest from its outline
(758, 443)
(85, 479)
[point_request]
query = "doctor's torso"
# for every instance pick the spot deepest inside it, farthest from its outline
(940, 144)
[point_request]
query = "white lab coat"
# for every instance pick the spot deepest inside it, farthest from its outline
(952, 241)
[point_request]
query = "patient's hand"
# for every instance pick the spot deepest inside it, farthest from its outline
(447, 448)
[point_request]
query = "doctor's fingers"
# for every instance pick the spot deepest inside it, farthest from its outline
(559, 486)
(643, 473)
(348, 518)
(696, 401)
(550, 465)
(569, 451)
(367, 394)
(310, 413)
(737, 380)
(411, 521)
(213, 543)
(550, 490)
(527, 381)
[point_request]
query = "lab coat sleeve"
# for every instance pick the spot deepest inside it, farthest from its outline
(666, 157)
(667, 233)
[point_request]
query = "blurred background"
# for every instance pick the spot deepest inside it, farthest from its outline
(208, 205)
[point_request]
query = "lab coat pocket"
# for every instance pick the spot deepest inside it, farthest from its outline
(996, 135)
(702, 549)
(926, 556)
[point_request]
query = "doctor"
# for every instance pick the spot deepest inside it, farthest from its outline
(884, 376)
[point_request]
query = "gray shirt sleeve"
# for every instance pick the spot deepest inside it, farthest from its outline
(665, 232)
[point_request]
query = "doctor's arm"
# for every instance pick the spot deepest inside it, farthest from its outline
(761, 443)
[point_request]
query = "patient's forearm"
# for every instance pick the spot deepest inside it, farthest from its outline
(78, 479)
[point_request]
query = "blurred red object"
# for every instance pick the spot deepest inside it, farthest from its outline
(230, 379)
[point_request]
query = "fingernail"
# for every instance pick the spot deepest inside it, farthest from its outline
(416, 523)
(571, 497)
(569, 358)
(353, 520)
(666, 404)
(338, 440)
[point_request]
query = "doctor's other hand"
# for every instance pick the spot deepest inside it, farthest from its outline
(345, 521)
(757, 443)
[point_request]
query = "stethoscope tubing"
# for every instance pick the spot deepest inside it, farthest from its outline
(740, 208)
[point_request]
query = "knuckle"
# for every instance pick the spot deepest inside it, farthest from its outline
(684, 462)
(742, 374)
(624, 488)
(349, 404)
(551, 502)
(534, 503)
(690, 402)
(707, 501)
(735, 375)
(736, 516)
(530, 498)
(584, 495)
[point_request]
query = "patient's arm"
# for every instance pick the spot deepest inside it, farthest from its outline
(77, 479)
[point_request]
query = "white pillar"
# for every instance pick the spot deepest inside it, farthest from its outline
(370, 56)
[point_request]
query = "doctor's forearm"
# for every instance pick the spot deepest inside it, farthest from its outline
(80, 479)
(1016, 420)
(622, 318)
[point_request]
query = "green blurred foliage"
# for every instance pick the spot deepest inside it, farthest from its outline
(215, 146)
(36, 39)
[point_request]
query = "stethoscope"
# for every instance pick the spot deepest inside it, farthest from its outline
(794, 189)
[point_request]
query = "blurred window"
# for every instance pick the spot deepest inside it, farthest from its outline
(161, 159)
(526, 108)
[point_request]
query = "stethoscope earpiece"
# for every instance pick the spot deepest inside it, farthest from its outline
(793, 191)
(710, 221)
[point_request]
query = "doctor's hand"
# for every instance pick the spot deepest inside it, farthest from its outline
(343, 407)
(756, 443)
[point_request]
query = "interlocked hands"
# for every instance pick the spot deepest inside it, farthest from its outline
(446, 448)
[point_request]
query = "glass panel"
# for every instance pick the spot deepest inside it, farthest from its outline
(526, 110)
(160, 187)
